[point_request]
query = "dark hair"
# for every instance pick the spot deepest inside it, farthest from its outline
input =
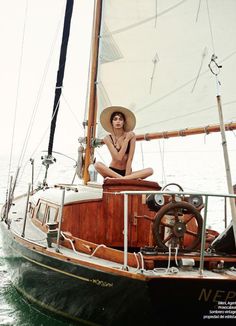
(117, 113)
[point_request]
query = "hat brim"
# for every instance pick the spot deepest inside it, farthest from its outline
(105, 118)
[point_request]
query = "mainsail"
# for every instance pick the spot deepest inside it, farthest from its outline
(154, 58)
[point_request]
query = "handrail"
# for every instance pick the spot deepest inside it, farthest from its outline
(167, 192)
(140, 192)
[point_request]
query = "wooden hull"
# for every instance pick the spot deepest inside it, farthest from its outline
(93, 295)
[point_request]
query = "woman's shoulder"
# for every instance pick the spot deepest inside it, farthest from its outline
(107, 138)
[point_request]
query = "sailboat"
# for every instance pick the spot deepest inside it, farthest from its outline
(134, 252)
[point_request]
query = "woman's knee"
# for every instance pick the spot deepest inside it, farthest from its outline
(98, 166)
(150, 171)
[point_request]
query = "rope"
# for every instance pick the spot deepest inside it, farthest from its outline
(80, 253)
(169, 256)
(176, 254)
(137, 260)
(142, 260)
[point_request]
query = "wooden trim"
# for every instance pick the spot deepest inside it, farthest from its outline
(83, 201)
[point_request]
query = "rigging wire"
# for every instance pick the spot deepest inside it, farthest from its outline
(39, 143)
(33, 115)
(198, 10)
(87, 88)
(17, 91)
(72, 112)
(200, 68)
(155, 24)
(210, 27)
(48, 126)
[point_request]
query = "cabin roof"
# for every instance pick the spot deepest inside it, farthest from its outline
(72, 194)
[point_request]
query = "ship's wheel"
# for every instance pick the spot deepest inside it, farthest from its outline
(178, 224)
(173, 184)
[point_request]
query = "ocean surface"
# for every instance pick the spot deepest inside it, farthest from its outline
(195, 167)
(14, 310)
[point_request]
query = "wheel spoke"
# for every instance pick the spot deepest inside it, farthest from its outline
(170, 236)
(176, 215)
(180, 223)
(188, 219)
(166, 222)
(192, 233)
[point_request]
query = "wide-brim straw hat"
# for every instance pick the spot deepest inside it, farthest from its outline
(105, 118)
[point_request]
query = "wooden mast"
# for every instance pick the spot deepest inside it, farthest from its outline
(92, 106)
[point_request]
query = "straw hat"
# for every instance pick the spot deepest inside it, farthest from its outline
(105, 118)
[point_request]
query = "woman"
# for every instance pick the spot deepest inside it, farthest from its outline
(120, 141)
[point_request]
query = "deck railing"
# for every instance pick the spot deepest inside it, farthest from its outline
(171, 193)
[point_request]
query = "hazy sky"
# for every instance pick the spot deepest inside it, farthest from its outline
(30, 32)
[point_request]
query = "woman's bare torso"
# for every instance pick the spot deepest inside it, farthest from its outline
(118, 164)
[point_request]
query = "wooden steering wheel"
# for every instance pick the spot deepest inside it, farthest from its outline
(178, 223)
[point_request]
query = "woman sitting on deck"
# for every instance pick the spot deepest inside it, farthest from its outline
(120, 141)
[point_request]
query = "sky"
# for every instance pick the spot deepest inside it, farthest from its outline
(30, 32)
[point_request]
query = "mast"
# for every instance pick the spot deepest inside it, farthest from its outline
(92, 107)
(48, 159)
(215, 69)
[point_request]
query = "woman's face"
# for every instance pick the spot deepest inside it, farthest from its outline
(118, 121)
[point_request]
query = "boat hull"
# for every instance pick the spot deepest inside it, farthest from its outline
(91, 296)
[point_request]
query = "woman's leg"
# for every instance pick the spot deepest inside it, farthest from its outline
(141, 174)
(106, 171)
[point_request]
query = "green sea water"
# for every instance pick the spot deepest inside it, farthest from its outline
(14, 310)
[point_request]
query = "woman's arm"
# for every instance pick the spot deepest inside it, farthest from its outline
(128, 169)
(118, 156)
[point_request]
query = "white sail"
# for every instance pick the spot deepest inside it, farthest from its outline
(154, 58)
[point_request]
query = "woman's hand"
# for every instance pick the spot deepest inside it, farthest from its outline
(129, 135)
